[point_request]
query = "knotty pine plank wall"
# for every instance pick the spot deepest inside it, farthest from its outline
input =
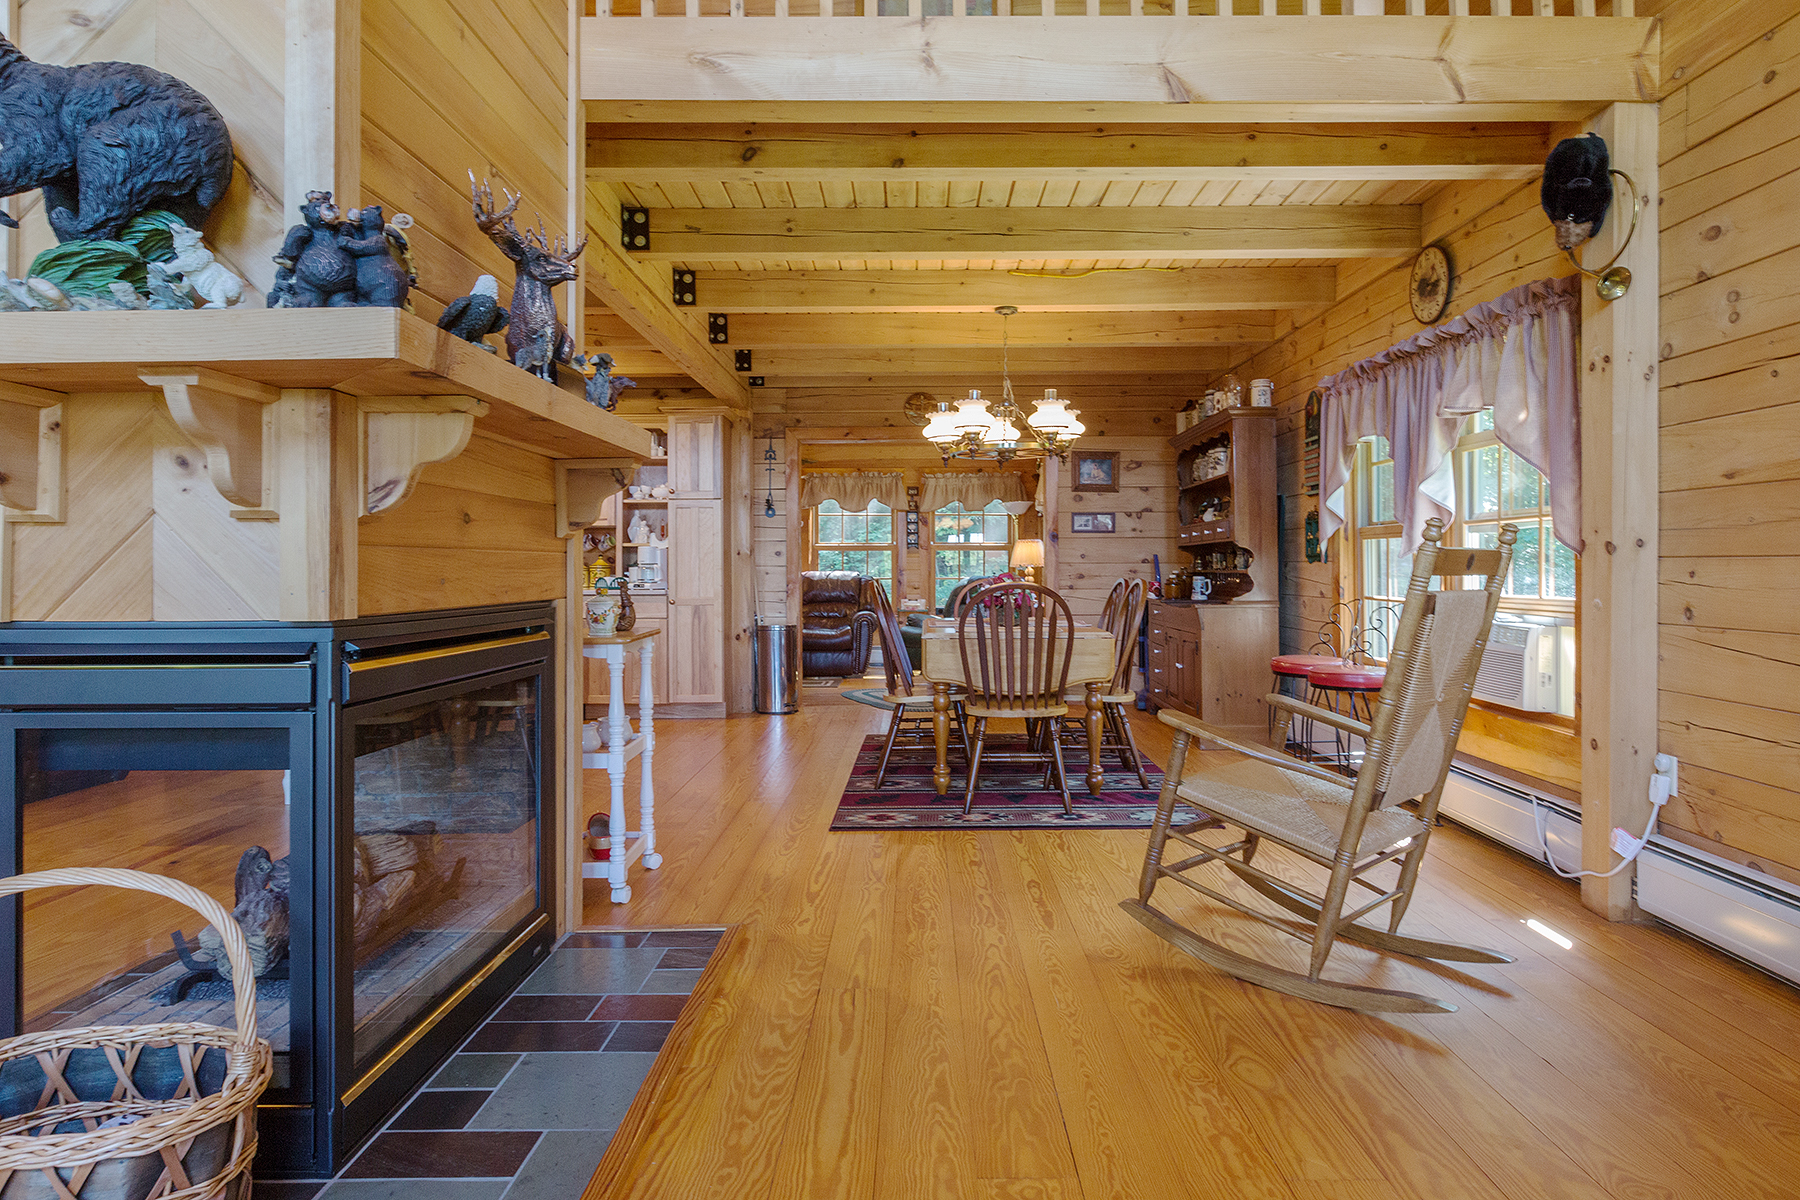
(232, 51)
(449, 87)
(1729, 683)
(1497, 238)
(453, 86)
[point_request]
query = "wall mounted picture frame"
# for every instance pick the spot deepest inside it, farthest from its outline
(1094, 470)
(912, 529)
(1085, 522)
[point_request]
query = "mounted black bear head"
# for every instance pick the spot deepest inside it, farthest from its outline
(1577, 189)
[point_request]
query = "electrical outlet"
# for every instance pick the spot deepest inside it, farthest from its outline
(1668, 764)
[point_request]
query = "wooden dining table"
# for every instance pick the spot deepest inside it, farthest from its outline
(1091, 663)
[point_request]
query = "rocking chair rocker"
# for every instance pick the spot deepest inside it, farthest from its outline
(1349, 828)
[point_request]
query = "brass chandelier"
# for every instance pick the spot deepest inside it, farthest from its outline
(1000, 430)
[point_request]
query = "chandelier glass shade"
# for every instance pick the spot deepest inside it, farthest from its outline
(1000, 429)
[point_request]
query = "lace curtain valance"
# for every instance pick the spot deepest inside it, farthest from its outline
(854, 490)
(1516, 353)
(972, 489)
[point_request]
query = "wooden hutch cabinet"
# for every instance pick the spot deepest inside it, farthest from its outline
(688, 600)
(1210, 658)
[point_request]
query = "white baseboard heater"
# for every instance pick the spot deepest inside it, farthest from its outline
(1748, 915)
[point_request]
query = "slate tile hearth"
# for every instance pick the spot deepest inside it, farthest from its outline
(527, 1106)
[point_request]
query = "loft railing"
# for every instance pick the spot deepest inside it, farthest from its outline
(1110, 8)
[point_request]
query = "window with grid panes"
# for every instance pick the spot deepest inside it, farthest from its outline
(1493, 486)
(967, 545)
(855, 541)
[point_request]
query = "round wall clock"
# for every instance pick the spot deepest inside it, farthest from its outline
(1430, 284)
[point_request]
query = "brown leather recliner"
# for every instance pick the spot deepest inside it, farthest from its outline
(837, 623)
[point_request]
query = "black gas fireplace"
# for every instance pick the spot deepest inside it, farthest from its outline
(370, 795)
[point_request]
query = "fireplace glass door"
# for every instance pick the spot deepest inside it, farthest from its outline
(209, 804)
(443, 844)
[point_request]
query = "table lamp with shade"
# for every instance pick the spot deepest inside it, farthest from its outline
(1028, 553)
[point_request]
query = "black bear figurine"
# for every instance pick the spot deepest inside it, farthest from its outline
(107, 141)
(381, 281)
(315, 270)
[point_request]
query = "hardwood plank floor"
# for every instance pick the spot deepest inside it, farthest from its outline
(939, 1016)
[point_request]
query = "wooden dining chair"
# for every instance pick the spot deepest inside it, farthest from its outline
(1016, 640)
(1121, 618)
(911, 704)
(1349, 828)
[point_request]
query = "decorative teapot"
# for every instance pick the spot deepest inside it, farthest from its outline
(602, 609)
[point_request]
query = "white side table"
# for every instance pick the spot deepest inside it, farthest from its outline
(612, 747)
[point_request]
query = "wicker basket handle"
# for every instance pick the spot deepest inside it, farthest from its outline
(161, 885)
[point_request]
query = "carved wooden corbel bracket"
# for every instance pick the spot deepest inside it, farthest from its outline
(231, 420)
(401, 435)
(31, 454)
(582, 485)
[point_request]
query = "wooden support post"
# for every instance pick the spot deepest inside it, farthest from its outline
(323, 149)
(1619, 520)
(316, 469)
(740, 559)
(796, 559)
(227, 418)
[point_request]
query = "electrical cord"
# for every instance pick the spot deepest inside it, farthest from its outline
(1661, 788)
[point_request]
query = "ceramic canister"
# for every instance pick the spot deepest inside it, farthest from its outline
(1262, 393)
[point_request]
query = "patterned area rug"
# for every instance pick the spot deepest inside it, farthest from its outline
(1012, 795)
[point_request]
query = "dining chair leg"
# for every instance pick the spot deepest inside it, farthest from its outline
(975, 765)
(1062, 778)
(962, 730)
(888, 749)
(1122, 726)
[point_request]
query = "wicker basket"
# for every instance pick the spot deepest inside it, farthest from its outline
(188, 1091)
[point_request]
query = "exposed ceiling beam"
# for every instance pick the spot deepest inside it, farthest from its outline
(889, 234)
(1149, 60)
(625, 287)
(759, 331)
(732, 153)
(950, 367)
(1217, 288)
(748, 112)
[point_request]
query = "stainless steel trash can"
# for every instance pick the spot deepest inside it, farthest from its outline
(775, 651)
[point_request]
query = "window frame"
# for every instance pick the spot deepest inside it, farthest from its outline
(932, 546)
(1367, 526)
(896, 576)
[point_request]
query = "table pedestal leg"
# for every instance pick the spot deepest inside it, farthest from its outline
(1096, 774)
(647, 730)
(940, 729)
(618, 732)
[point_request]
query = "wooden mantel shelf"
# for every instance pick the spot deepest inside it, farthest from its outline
(365, 352)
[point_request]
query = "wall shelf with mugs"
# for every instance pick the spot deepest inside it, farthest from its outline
(1225, 503)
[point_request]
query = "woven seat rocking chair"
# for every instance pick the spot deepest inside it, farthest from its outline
(1350, 828)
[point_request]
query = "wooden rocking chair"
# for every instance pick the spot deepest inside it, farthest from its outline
(1348, 827)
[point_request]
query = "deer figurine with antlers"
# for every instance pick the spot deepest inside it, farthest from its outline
(533, 327)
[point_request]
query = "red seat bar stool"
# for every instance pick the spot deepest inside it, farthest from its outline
(1285, 667)
(1338, 688)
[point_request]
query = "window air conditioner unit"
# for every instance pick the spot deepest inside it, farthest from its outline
(1522, 666)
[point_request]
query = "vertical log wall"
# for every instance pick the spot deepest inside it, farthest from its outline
(1729, 687)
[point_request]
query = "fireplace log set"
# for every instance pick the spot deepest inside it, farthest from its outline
(396, 879)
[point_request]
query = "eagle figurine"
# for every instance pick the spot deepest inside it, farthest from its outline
(474, 316)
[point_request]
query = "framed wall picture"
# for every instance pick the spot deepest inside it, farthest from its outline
(1093, 523)
(912, 529)
(1094, 470)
